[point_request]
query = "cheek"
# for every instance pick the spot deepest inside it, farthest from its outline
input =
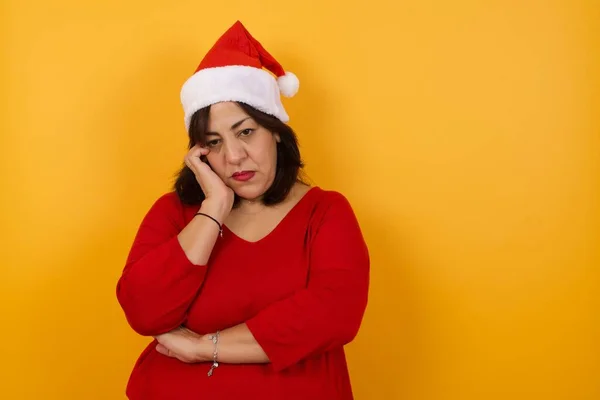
(216, 163)
(268, 159)
(274, 159)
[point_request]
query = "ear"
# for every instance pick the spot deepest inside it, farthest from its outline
(277, 137)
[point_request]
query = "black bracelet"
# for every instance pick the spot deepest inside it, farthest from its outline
(216, 222)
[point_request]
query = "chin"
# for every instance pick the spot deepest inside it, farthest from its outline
(249, 192)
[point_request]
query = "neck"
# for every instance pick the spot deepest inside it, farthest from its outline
(251, 206)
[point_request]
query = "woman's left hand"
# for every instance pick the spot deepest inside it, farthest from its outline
(181, 343)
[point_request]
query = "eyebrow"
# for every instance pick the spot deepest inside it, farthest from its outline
(232, 126)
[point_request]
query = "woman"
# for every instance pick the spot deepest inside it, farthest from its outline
(249, 281)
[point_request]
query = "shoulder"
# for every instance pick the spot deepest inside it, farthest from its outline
(332, 220)
(167, 207)
(328, 205)
(327, 198)
(168, 200)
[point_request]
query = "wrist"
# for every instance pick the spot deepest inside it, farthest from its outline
(204, 349)
(216, 209)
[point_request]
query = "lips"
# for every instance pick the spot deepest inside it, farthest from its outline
(243, 175)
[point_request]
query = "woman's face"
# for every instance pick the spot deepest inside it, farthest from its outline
(242, 153)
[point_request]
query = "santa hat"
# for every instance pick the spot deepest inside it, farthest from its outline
(232, 70)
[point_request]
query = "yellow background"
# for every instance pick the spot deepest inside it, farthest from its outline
(465, 133)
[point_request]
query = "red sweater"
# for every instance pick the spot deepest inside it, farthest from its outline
(301, 290)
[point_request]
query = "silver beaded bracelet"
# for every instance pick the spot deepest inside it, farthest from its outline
(215, 364)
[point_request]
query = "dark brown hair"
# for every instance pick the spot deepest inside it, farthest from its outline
(289, 162)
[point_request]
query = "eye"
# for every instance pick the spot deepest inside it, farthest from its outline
(212, 143)
(246, 132)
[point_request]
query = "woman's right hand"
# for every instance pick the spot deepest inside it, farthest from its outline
(218, 196)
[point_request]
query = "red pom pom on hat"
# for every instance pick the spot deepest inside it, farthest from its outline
(234, 70)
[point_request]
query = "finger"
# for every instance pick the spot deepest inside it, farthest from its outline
(202, 171)
(195, 147)
(162, 350)
(195, 163)
(165, 340)
(166, 352)
(161, 338)
(169, 353)
(198, 150)
(194, 151)
(189, 333)
(193, 159)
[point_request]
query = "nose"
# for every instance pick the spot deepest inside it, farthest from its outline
(234, 151)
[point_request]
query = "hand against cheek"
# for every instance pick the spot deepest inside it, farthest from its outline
(180, 343)
(212, 186)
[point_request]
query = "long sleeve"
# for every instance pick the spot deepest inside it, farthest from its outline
(328, 312)
(158, 282)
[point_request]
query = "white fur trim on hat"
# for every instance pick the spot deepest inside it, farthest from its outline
(253, 86)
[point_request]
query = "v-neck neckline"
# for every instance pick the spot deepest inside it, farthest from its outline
(279, 225)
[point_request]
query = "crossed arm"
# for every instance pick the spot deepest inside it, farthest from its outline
(161, 280)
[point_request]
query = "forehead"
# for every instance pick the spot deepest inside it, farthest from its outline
(223, 115)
